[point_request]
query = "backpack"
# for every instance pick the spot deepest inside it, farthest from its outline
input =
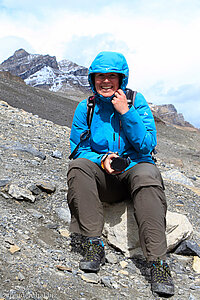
(130, 95)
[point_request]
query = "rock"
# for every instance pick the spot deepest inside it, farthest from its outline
(121, 228)
(34, 189)
(63, 214)
(192, 297)
(196, 264)
(46, 186)
(111, 258)
(9, 241)
(13, 249)
(35, 213)
(4, 182)
(183, 260)
(90, 277)
(123, 264)
(57, 154)
(64, 232)
(20, 276)
(107, 281)
(64, 268)
(20, 193)
(124, 272)
(4, 195)
(52, 226)
(178, 229)
(177, 176)
(24, 148)
(188, 248)
(119, 235)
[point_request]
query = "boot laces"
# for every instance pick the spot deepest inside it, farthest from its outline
(94, 250)
(160, 272)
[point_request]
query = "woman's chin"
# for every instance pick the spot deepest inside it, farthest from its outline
(107, 94)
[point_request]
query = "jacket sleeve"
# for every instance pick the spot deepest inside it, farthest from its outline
(139, 126)
(79, 125)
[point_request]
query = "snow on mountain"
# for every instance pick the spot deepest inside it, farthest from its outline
(45, 76)
(45, 72)
(58, 80)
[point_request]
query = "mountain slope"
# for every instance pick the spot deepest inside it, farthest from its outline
(34, 237)
(47, 105)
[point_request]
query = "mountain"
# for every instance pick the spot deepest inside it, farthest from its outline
(167, 113)
(64, 78)
(45, 72)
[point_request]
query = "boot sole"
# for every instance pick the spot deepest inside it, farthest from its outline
(162, 289)
(88, 267)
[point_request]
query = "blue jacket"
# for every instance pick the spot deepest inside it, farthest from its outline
(132, 134)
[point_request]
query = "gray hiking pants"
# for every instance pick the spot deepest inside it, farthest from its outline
(89, 186)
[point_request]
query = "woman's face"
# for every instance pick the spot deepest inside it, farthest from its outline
(106, 84)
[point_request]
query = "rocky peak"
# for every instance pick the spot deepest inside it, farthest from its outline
(168, 113)
(24, 64)
(45, 72)
(20, 53)
(70, 67)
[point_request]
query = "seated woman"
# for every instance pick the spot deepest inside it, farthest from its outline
(117, 131)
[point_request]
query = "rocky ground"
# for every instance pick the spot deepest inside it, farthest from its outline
(39, 260)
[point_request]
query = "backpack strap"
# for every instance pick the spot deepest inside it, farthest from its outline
(90, 109)
(86, 134)
(130, 95)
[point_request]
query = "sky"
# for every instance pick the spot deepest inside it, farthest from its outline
(159, 38)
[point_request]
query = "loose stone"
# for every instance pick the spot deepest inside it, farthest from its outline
(90, 277)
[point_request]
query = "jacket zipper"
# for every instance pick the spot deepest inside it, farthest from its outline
(120, 126)
(117, 146)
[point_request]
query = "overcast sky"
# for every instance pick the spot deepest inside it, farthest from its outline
(159, 38)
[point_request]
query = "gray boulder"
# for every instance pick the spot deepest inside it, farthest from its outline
(121, 229)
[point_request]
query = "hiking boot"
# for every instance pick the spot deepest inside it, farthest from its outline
(94, 255)
(161, 280)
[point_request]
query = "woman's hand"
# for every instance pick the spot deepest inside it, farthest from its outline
(107, 162)
(119, 102)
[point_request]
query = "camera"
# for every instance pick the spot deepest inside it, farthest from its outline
(119, 164)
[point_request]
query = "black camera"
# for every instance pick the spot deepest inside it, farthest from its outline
(119, 164)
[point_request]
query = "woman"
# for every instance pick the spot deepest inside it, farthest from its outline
(117, 131)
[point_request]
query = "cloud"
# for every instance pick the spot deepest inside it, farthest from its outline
(186, 99)
(83, 49)
(11, 44)
(46, 6)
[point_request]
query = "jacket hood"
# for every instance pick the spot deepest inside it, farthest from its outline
(108, 62)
